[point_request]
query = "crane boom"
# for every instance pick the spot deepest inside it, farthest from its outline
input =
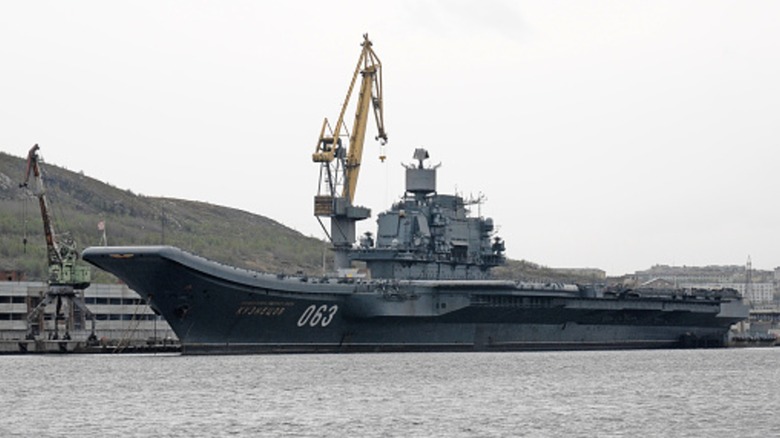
(33, 169)
(61, 251)
(370, 93)
(329, 147)
(357, 140)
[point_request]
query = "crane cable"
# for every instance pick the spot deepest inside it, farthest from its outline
(131, 328)
(24, 225)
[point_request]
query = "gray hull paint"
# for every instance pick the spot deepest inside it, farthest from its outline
(219, 309)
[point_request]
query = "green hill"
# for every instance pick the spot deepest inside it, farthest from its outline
(226, 235)
(79, 202)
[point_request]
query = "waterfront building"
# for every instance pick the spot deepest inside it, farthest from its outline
(121, 315)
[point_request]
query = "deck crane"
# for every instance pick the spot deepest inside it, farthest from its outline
(66, 276)
(340, 163)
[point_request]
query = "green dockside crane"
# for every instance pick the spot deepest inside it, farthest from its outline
(67, 277)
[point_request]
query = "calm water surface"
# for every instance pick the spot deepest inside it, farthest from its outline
(675, 393)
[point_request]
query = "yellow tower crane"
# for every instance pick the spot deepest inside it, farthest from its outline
(340, 163)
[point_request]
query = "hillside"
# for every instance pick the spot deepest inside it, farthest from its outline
(79, 202)
(227, 235)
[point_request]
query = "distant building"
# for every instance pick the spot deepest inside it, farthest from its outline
(12, 275)
(757, 293)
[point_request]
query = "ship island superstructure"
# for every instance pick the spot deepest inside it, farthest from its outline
(429, 235)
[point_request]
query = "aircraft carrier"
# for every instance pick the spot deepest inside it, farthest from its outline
(427, 285)
(427, 288)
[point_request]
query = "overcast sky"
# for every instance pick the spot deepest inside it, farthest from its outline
(615, 135)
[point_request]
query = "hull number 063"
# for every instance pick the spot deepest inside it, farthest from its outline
(318, 316)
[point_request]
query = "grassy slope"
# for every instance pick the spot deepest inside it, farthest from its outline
(78, 203)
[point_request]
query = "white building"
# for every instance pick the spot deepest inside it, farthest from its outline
(120, 313)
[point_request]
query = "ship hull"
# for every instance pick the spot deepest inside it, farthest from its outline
(216, 309)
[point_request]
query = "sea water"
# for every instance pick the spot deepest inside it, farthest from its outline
(665, 393)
